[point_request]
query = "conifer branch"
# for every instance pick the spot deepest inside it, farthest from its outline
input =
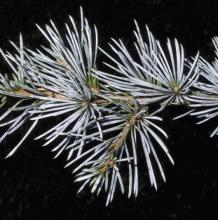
(109, 117)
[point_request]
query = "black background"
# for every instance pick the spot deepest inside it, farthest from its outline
(34, 186)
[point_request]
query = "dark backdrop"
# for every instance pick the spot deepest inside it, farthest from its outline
(33, 186)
